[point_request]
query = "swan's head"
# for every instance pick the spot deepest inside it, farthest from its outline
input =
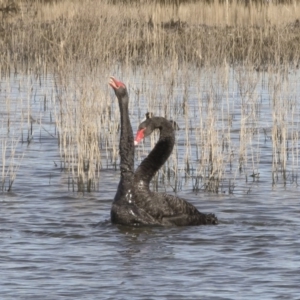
(145, 129)
(118, 86)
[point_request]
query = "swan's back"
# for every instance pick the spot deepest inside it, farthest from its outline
(172, 210)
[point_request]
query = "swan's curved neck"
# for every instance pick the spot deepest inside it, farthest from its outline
(157, 157)
(126, 146)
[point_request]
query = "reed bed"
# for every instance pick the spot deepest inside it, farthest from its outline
(98, 33)
(87, 129)
(226, 72)
(15, 129)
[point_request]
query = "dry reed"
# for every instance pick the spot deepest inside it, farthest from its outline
(224, 45)
(201, 33)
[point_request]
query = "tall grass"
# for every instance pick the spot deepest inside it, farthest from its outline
(285, 127)
(98, 33)
(200, 64)
(13, 123)
(86, 127)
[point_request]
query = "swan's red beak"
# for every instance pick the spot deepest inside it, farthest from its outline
(115, 84)
(139, 136)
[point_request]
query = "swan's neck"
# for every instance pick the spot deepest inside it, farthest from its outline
(126, 146)
(156, 158)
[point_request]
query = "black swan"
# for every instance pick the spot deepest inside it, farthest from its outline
(124, 210)
(167, 209)
(175, 126)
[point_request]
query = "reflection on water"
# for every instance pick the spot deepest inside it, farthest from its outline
(57, 244)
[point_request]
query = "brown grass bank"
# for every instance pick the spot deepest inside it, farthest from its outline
(58, 33)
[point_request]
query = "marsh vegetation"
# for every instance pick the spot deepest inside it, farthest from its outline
(225, 71)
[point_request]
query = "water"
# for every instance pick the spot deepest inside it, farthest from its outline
(59, 244)
(55, 246)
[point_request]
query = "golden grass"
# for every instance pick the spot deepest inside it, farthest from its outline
(85, 126)
(237, 14)
(81, 45)
(98, 33)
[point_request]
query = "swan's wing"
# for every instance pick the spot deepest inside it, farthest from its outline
(172, 210)
(129, 214)
(166, 204)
